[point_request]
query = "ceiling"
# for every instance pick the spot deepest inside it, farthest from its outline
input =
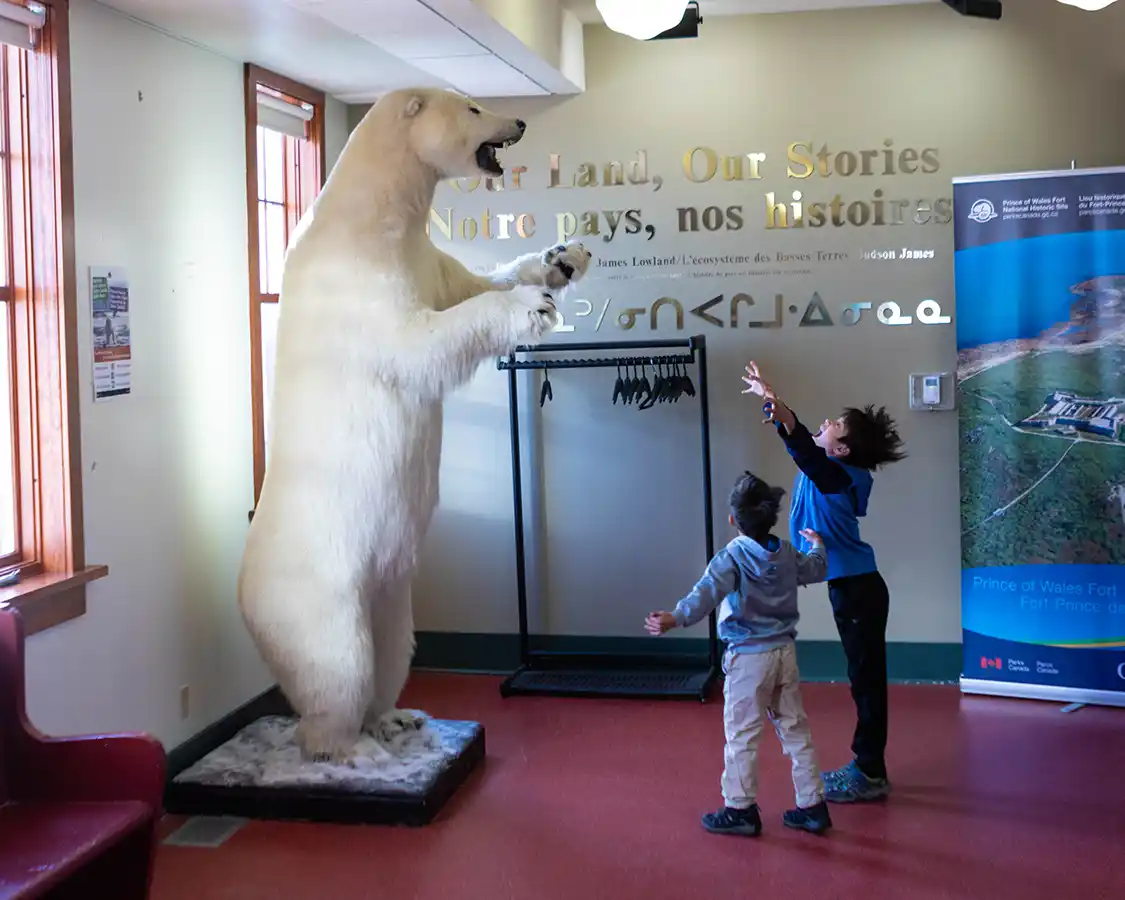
(587, 11)
(358, 49)
(351, 49)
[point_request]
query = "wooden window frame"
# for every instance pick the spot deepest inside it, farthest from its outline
(40, 203)
(254, 76)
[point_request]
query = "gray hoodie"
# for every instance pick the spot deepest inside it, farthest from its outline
(757, 587)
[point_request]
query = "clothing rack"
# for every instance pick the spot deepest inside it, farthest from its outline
(513, 365)
(636, 675)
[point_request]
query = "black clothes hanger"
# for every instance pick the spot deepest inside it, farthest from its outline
(673, 386)
(657, 395)
(669, 381)
(545, 393)
(645, 387)
(669, 389)
(689, 388)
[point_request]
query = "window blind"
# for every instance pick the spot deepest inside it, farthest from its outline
(20, 25)
(288, 118)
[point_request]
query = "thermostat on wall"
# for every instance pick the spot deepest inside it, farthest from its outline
(931, 390)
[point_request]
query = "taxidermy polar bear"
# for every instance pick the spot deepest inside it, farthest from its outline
(376, 326)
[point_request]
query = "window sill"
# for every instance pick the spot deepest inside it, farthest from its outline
(44, 601)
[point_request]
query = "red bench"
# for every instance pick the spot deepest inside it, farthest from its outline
(78, 815)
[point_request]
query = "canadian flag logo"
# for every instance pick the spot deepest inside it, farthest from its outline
(986, 663)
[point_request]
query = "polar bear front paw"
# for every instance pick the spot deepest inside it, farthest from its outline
(534, 314)
(564, 264)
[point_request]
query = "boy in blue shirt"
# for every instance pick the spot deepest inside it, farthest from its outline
(830, 495)
(755, 578)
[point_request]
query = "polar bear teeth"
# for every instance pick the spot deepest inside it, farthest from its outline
(486, 157)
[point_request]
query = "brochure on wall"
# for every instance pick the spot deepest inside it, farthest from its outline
(1040, 277)
(113, 360)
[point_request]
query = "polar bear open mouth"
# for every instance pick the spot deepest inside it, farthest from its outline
(486, 156)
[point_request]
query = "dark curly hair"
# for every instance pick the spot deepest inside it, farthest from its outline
(754, 505)
(871, 438)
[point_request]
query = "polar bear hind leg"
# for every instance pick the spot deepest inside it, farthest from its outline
(333, 688)
(324, 672)
(392, 642)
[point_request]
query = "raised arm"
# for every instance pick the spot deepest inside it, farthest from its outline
(433, 352)
(828, 476)
(458, 284)
(552, 269)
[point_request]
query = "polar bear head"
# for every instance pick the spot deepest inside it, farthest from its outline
(447, 132)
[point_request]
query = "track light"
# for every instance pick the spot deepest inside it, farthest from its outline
(641, 19)
(1088, 5)
(688, 27)
(651, 20)
(976, 9)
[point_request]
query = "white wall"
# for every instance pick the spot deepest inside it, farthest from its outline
(336, 130)
(619, 490)
(160, 189)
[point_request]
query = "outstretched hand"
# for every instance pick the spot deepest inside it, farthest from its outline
(775, 411)
(659, 622)
(812, 537)
(757, 384)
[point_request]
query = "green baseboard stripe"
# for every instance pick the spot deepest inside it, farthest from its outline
(498, 654)
(819, 660)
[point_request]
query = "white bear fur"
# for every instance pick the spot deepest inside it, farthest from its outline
(376, 325)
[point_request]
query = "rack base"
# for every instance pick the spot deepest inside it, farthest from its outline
(583, 676)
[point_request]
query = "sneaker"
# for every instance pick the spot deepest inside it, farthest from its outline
(850, 785)
(813, 818)
(746, 822)
(841, 775)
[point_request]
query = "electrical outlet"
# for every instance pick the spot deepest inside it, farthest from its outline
(185, 702)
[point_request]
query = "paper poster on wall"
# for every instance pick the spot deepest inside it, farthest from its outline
(1040, 284)
(109, 302)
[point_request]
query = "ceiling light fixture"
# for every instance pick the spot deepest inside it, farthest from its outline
(641, 20)
(977, 9)
(1088, 5)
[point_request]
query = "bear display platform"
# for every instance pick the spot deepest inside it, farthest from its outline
(260, 774)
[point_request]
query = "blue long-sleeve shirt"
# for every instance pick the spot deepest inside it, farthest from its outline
(830, 497)
(757, 588)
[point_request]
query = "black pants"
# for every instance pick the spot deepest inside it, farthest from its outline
(860, 605)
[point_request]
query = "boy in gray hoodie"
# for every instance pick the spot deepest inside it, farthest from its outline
(755, 578)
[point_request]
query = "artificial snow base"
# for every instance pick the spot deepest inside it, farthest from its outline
(260, 774)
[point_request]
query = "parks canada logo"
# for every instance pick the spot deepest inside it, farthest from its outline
(982, 211)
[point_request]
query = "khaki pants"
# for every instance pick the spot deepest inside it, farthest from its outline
(759, 685)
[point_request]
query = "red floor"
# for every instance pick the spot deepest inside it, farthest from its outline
(600, 800)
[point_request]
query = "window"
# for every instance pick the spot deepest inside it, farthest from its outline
(285, 171)
(40, 469)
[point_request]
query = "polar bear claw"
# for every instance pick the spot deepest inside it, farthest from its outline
(564, 264)
(396, 722)
(554, 268)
